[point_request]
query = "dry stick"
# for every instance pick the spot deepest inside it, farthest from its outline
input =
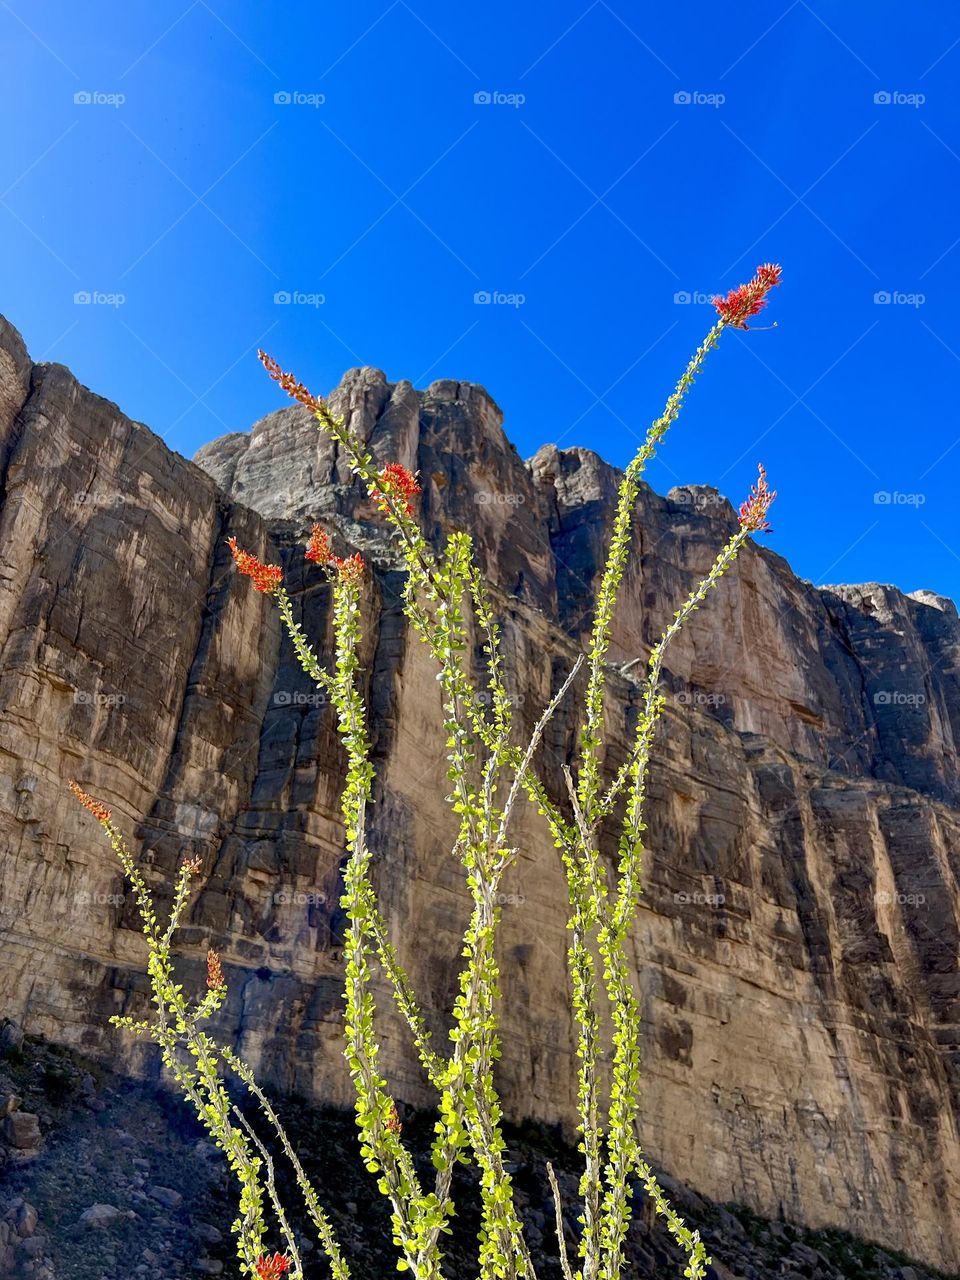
(535, 738)
(561, 1238)
(328, 1240)
(272, 1191)
(585, 1012)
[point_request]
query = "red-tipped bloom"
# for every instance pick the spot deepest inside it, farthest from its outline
(193, 866)
(272, 1268)
(318, 548)
(99, 811)
(296, 390)
(350, 569)
(396, 482)
(266, 577)
(215, 979)
(320, 552)
(753, 512)
(748, 299)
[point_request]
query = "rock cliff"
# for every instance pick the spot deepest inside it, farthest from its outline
(798, 945)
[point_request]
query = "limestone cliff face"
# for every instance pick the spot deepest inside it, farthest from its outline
(798, 944)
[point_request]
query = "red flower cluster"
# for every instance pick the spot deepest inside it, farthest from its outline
(296, 390)
(320, 552)
(215, 979)
(318, 548)
(266, 577)
(753, 512)
(99, 811)
(272, 1268)
(193, 866)
(396, 482)
(748, 299)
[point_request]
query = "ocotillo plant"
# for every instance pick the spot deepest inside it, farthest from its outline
(447, 602)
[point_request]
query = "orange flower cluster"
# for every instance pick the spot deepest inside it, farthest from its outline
(753, 512)
(296, 390)
(215, 979)
(266, 577)
(350, 569)
(193, 865)
(748, 299)
(272, 1268)
(396, 482)
(320, 552)
(99, 811)
(318, 548)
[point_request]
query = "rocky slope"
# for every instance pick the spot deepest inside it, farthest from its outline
(798, 944)
(123, 1182)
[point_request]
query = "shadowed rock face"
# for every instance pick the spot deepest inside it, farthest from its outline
(797, 949)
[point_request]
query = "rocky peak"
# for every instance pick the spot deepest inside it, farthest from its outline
(859, 673)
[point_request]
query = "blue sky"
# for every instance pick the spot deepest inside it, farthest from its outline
(621, 165)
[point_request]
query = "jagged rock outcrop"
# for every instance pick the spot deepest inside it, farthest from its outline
(798, 944)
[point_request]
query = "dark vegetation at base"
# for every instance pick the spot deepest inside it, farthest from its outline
(135, 1147)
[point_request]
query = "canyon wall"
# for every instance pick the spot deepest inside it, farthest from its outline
(797, 947)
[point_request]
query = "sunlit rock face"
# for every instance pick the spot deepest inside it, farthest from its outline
(797, 949)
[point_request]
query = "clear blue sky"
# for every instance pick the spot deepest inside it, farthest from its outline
(599, 197)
